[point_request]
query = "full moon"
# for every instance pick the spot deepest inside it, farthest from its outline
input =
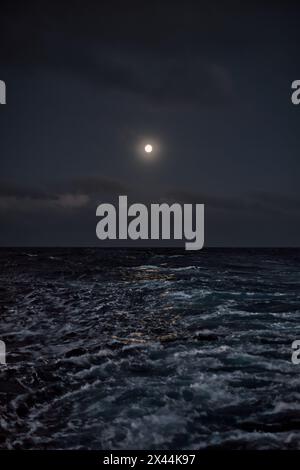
(148, 148)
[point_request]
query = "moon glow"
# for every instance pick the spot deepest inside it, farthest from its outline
(148, 148)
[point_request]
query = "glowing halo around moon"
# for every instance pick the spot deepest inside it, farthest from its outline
(148, 148)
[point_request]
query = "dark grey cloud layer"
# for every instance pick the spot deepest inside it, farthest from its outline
(38, 213)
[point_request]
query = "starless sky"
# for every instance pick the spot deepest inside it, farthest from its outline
(208, 84)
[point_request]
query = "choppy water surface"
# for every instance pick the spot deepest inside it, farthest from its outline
(148, 349)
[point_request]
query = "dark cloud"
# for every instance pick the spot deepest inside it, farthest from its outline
(256, 202)
(11, 189)
(279, 202)
(168, 53)
(15, 198)
(91, 190)
(223, 202)
(97, 185)
(67, 216)
(141, 57)
(74, 194)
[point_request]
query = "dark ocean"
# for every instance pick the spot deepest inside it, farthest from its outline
(149, 349)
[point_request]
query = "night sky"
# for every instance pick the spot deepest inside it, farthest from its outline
(207, 83)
